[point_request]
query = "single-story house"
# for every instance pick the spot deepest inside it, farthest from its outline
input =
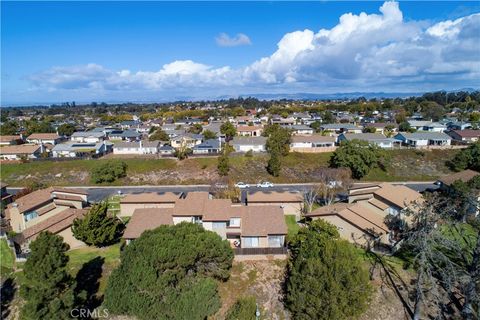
(245, 144)
(312, 143)
(467, 135)
(290, 202)
(423, 139)
(88, 136)
(458, 125)
(211, 146)
(5, 196)
(136, 147)
(341, 128)
(249, 131)
(300, 129)
(22, 151)
(380, 126)
(375, 138)
(72, 149)
(127, 135)
(43, 138)
(464, 176)
(166, 149)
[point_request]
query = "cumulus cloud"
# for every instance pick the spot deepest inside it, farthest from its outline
(224, 40)
(363, 51)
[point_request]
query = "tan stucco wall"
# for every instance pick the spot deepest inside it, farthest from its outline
(70, 239)
(347, 231)
(83, 196)
(127, 209)
(177, 220)
(16, 220)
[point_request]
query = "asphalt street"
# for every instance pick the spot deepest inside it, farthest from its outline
(100, 193)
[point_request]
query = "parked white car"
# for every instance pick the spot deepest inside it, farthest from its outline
(242, 185)
(264, 184)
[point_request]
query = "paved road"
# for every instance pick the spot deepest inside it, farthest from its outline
(100, 193)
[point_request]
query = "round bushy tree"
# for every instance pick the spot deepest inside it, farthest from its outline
(326, 279)
(48, 289)
(244, 309)
(168, 273)
(97, 228)
(359, 156)
(109, 171)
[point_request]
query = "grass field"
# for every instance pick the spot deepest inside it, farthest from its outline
(292, 225)
(7, 259)
(405, 164)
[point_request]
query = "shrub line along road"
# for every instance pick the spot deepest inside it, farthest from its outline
(98, 193)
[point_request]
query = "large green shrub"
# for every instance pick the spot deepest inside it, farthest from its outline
(109, 171)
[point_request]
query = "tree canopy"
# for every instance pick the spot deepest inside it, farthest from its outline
(169, 273)
(66, 129)
(109, 171)
(159, 134)
(244, 308)
(49, 289)
(97, 228)
(228, 130)
(208, 134)
(326, 279)
(359, 156)
(468, 158)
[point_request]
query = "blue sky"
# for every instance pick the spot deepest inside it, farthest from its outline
(114, 51)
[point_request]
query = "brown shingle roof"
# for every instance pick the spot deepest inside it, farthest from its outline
(465, 176)
(147, 219)
(248, 128)
(19, 149)
(46, 209)
(150, 197)
(399, 195)
(32, 200)
(274, 196)
(55, 224)
(70, 190)
(43, 136)
(468, 133)
(262, 221)
(379, 204)
(355, 214)
(217, 210)
(9, 138)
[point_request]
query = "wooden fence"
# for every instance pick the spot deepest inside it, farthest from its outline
(252, 251)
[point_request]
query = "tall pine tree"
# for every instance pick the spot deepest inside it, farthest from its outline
(49, 289)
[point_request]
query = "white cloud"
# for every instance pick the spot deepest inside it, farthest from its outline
(224, 40)
(362, 52)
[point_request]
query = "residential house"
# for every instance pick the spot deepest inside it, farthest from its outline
(23, 151)
(245, 144)
(10, 140)
(290, 202)
(73, 149)
(52, 209)
(166, 150)
(136, 147)
(244, 227)
(458, 125)
(130, 124)
(338, 128)
(130, 202)
(302, 117)
(88, 136)
(300, 129)
(362, 219)
(465, 176)
(283, 122)
(313, 143)
(374, 138)
(465, 136)
(125, 135)
(211, 146)
(423, 139)
(380, 127)
(44, 138)
(249, 131)
(186, 140)
(427, 126)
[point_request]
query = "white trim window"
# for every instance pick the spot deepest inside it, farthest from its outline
(276, 241)
(250, 242)
(235, 222)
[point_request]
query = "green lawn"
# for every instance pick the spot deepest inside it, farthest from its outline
(7, 259)
(114, 204)
(292, 225)
(82, 256)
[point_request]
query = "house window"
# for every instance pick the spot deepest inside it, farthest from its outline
(275, 241)
(250, 242)
(219, 225)
(197, 219)
(30, 215)
(234, 222)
